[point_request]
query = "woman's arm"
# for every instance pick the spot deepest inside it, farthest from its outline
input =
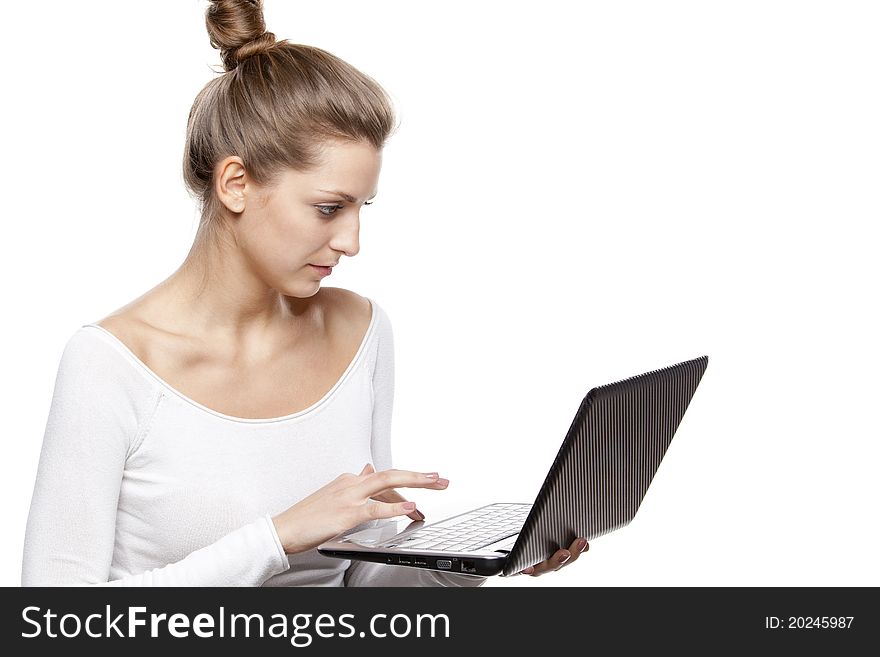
(100, 413)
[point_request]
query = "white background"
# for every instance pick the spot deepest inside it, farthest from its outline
(578, 193)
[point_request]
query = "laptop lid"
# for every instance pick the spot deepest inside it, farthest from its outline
(609, 456)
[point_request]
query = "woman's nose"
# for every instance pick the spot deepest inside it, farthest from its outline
(347, 238)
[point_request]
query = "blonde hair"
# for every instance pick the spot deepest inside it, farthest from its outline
(275, 105)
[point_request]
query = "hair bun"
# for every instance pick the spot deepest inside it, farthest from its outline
(262, 43)
(237, 29)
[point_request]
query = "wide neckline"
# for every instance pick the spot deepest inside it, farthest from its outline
(119, 344)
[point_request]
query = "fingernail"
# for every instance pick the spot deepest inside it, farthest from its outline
(564, 558)
(431, 475)
(409, 506)
(421, 515)
(582, 545)
(442, 482)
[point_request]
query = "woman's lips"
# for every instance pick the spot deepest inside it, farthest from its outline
(324, 271)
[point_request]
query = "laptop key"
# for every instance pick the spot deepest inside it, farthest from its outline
(494, 539)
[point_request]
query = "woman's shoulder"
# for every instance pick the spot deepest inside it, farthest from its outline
(124, 327)
(141, 330)
(347, 313)
(341, 300)
(140, 336)
(97, 365)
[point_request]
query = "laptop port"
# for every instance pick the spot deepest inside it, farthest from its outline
(468, 566)
(406, 561)
(444, 564)
(420, 562)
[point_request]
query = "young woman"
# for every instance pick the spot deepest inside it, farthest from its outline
(209, 432)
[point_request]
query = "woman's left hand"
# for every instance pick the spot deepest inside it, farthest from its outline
(559, 560)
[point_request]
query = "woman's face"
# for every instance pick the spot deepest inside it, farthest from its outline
(308, 218)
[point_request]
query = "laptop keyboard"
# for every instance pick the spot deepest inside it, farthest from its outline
(470, 531)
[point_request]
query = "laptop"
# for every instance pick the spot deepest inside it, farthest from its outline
(600, 475)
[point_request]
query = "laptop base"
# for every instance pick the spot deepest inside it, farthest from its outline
(471, 565)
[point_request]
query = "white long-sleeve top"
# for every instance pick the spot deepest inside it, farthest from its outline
(139, 485)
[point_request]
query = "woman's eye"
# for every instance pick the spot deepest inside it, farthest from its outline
(330, 210)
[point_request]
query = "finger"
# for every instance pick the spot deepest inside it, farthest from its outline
(564, 558)
(368, 469)
(392, 495)
(383, 510)
(577, 548)
(554, 563)
(377, 482)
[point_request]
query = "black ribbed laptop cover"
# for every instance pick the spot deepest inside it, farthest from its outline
(607, 460)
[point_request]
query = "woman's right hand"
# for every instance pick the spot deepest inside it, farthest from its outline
(345, 502)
